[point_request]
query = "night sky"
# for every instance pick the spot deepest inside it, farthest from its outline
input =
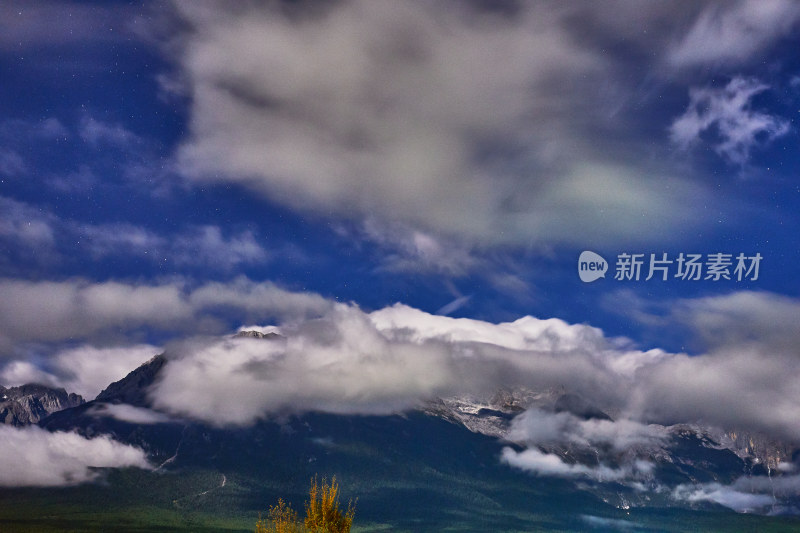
(170, 171)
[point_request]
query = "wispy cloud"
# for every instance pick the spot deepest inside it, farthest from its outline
(454, 305)
(36, 130)
(131, 414)
(733, 32)
(26, 225)
(97, 133)
(39, 232)
(728, 111)
(539, 427)
(204, 246)
(404, 249)
(11, 163)
(723, 495)
(746, 494)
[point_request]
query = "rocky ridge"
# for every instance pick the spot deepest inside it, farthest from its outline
(28, 404)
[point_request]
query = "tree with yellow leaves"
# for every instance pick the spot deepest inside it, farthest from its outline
(322, 513)
(322, 510)
(282, 519)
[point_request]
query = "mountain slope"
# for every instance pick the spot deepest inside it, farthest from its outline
(132, 389)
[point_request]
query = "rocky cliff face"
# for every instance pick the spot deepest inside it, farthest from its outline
(27, 404)
(132, 389)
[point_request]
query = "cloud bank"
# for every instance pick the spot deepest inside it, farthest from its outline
(350, 361)
(50, 311)
(339, 358)
(33, 457)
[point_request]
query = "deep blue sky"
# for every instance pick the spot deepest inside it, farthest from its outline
(417, 154)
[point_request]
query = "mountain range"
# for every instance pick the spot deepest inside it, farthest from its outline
(436, 468)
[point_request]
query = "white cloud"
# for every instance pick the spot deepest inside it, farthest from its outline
(451, 121)
(34, 457)
(28, 237)
(728, 112)
(550, 464)
(536, 427)
(612, 524)
(84, 370)
(82, 179)
(739, 318)
(751, 344)
(610, 441)
(391, 360)
(254, 301)
(338, 364)
(87, 370)
(103, 240)
(22, 372)
(734, 32)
